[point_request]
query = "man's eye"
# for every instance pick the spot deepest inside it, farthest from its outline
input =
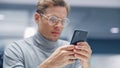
(53, 19)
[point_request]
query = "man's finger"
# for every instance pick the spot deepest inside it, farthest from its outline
(67, 47)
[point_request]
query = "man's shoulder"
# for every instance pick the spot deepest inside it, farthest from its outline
(22, 41)
(19, 43)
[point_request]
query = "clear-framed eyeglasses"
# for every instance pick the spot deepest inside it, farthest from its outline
(53, 20)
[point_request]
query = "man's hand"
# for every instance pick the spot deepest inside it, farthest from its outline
(64, 55)
(83, 53)
(61, 57)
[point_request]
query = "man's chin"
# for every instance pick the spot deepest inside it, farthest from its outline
(55, 38)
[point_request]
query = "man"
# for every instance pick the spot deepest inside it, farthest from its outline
(44, 49)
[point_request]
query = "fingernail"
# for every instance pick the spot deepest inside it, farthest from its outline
(77, 47)
(75, 50)
(75, 55)
(78, 43)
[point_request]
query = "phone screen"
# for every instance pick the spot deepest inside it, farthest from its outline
(79, 36)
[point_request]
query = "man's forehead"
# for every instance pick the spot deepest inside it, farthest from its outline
(58, 11)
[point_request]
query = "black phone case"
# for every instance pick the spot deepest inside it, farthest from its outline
(79, 36)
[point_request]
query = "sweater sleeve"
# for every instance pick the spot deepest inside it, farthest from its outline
(13, 57)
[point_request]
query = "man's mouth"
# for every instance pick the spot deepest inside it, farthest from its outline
(55, 33)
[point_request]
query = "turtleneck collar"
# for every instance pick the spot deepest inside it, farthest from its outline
(44, 43)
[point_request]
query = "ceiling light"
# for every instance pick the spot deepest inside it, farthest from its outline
(29, 31)
(114, 30)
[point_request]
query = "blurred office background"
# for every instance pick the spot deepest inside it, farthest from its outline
(101, 18)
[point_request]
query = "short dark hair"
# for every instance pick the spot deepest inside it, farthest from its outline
(42, 5)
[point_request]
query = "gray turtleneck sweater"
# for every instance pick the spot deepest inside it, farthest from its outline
(31, 52)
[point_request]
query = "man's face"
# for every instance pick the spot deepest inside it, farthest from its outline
(52, 32)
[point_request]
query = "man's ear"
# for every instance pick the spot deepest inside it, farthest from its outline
(37, 17)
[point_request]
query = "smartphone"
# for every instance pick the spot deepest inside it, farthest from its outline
(79, 36)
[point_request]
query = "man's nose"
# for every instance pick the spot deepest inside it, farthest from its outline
(59, 24)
